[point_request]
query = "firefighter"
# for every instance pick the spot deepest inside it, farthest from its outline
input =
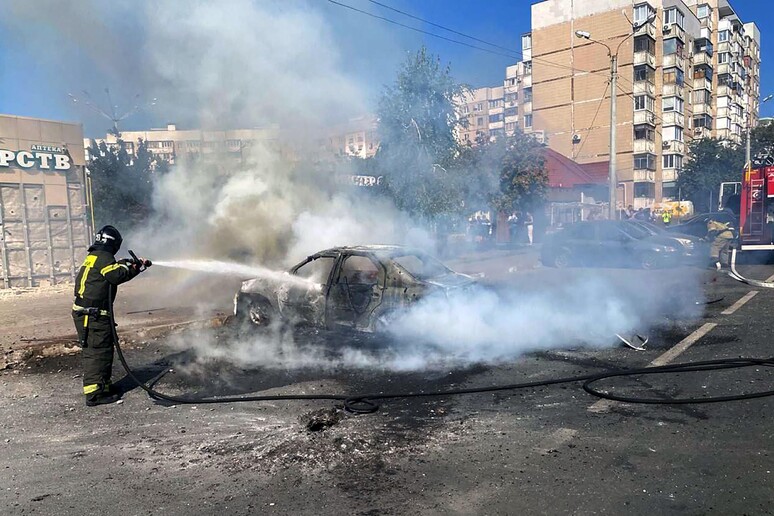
(91, 313)
(720, 234)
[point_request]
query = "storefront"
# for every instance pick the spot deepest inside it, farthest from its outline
(43, 210)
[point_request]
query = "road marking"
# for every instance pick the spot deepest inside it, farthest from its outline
(555, 440)
(769, 279)
(603, 405)
(739, 304)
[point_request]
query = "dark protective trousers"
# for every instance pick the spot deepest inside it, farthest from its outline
(97, 355)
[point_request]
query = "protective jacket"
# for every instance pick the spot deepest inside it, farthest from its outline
(99, 270)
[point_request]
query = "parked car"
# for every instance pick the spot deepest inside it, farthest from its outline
(358, 288)
(694, 249)
(609, 243)
(697, 225)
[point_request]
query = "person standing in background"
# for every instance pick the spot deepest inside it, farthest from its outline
(529, 222)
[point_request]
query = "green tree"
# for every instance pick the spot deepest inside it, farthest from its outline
(710, 162)
(417, 124)
(122, 183)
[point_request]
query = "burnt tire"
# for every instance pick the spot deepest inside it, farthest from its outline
(255, 311)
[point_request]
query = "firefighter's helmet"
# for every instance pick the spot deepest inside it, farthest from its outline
(110, 238)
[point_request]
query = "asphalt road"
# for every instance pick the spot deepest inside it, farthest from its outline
(552, 450)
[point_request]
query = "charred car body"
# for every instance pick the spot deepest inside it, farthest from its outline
(358, 288)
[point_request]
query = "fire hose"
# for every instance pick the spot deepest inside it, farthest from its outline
(366, 403)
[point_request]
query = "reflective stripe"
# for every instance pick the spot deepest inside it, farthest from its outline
(111, 268)
(85, 321)
(88, 263)
(88, 389)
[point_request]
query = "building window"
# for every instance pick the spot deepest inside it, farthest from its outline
(703, 45)
(703, 11)
(703, 121)
(465, 110)
(723, 35)
(643, 102)
(644, 132)
(511, 97)
(480, 120)
(527, 120)
(673, 46)
(644, 189)
(645, 161)
(672, 133)
(644, 44)
(511, 111)
(479, 106)
(644, 73)
(527, 94)
(674, 15)
(642, 12)
(510, 127)
(526, 42)
(497, 117)
(495, 103)
(724, 57)
(669, 190)
(672, 104)
(494, 133)
(674, 76)
(702, 72)
(702, 97)
(673, 161)
(527, 67)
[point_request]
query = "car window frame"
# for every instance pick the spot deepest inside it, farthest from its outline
(310, 259)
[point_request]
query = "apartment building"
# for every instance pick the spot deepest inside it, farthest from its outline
(357, 137)
(691, 69)
(171, 142)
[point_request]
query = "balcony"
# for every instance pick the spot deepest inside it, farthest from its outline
(526, 81)
(644, 116)
(723, 46)
(640, 146)
(645, 58)
(647, 29)
(673, 90)
(674, 60)
(644, 87)
(672, 29)
(673, 146)
(702, 109)
(527, 107)
(723, 69)
(644, 175)
(702, 58)
(673, 118)
(707, 22)
(669, 174)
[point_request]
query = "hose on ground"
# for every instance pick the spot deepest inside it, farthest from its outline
(367, 403)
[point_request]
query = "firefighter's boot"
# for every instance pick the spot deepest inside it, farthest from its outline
(102, 398)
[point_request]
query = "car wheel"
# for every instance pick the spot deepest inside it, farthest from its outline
(255, 311)
(649, 261)
(562, 259)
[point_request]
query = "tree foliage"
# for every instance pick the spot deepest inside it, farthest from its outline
(710, 162)
(417, 125)
(122, 184)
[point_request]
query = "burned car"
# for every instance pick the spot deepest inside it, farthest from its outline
(358, 288)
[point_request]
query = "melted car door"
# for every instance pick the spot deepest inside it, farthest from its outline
(356, 290)
(304, 302)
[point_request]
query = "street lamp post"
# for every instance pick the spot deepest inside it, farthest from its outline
(612, 177)
(747, 157)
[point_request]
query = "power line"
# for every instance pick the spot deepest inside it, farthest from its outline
(513, 54)
(594, 119)
(388, 20)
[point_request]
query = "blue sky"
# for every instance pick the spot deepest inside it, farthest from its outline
(41, 63)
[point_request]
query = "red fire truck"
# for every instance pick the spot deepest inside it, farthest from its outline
(756, 211)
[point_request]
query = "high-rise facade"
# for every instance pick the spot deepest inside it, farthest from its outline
(690, 70)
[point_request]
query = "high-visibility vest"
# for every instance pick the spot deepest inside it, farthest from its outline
(666, 216)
